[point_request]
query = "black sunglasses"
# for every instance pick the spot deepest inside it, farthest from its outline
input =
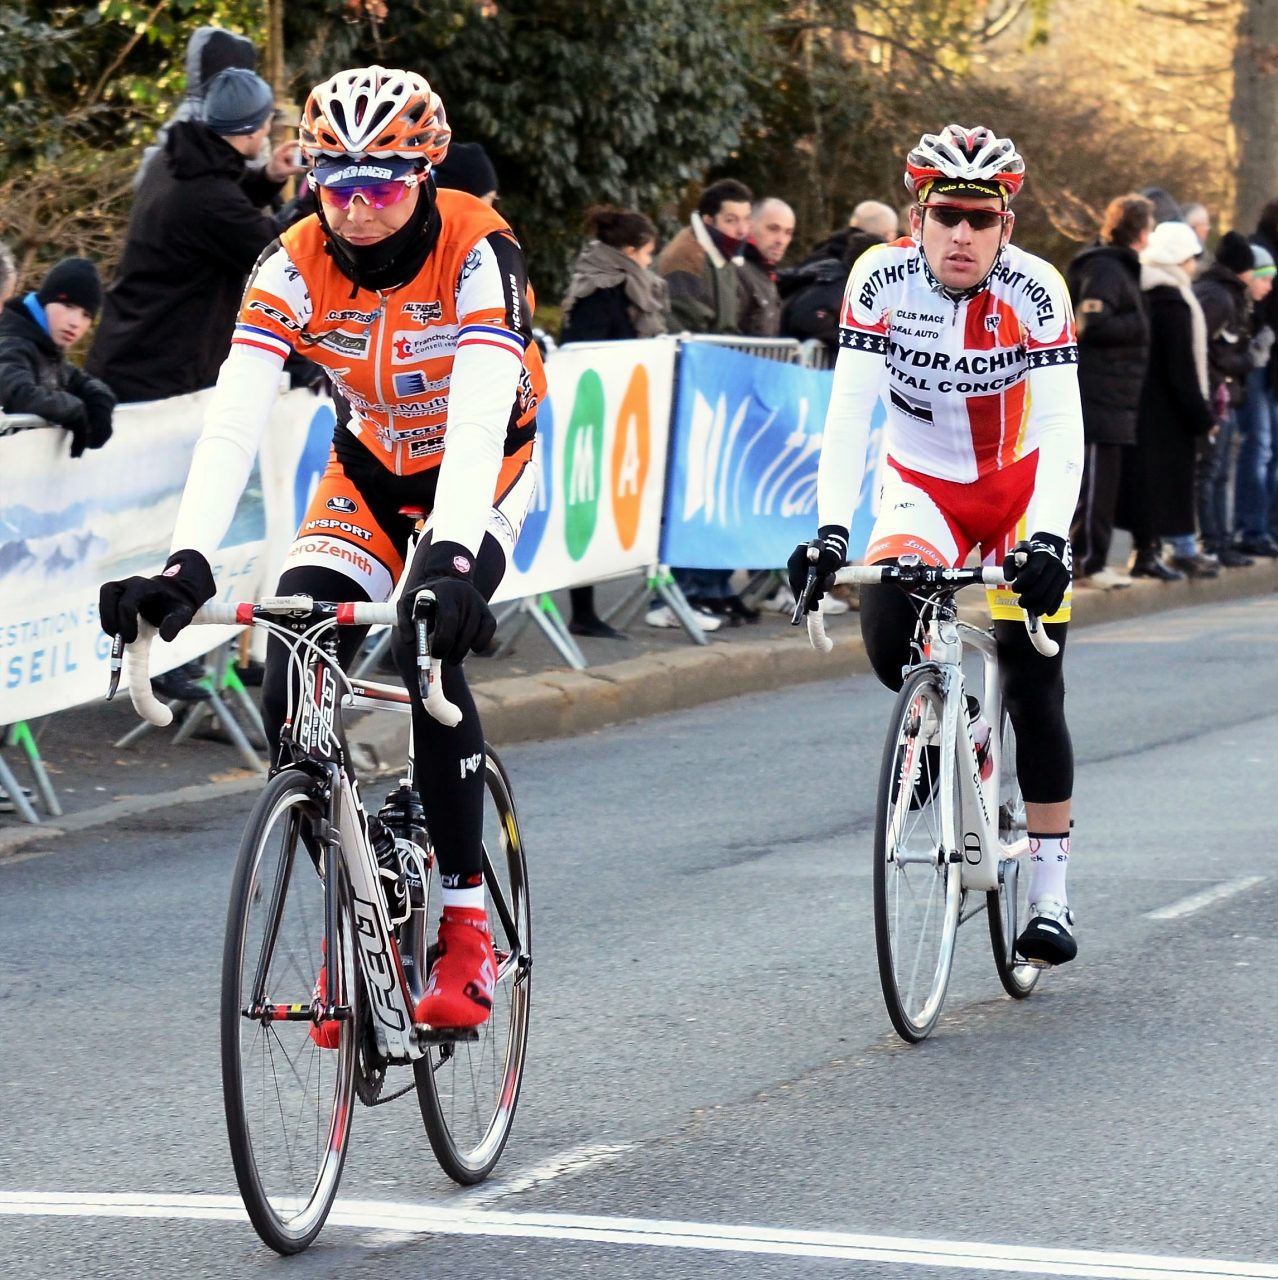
(950, 215)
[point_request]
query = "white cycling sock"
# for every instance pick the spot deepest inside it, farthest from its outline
(1049, 861)
(473, 898)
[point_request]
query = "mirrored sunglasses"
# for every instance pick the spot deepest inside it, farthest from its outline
(950, 215)
(377, 195)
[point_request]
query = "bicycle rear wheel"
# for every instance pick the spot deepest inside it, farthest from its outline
(1008, 906)
(288, 1101)
(468, 1090)
(917, 890)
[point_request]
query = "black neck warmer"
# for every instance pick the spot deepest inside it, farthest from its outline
(391, 262)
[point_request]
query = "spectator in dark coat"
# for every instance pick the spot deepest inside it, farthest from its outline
(35, 375)
(771, 230)
(612, 295)
(1253, 478)
(1113, 350)
(208, 51)
(699, 264)
(195, 232)
(1156, 498)
(1222, 291)
(812, 292)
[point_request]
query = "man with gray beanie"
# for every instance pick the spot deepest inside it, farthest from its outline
(195, 231)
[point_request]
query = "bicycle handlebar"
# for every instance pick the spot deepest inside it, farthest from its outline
(877, 574)
(355, 613)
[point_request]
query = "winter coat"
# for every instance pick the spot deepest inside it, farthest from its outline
(610, 296)
(1157, 493)
(760, 301)
(1267, 309)
(705, 289)
(1113, 340)
(195, 232)
(36, 377)
(1226, 304)
(812, 292)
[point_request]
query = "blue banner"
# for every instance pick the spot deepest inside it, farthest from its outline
(744, 452)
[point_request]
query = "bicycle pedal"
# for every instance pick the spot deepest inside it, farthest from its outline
(445, 1035)
(1034, 964)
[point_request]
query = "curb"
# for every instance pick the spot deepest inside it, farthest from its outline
(556, 704)
(564, 703)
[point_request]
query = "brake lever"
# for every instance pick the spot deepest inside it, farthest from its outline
(117, 666)
(801, 604)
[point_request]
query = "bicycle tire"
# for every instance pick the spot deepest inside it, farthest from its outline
(468, 1091)
(1008, 905)
(915, 890)
(275, 924)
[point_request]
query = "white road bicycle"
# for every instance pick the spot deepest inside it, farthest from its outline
(325, 936)
(947, 844)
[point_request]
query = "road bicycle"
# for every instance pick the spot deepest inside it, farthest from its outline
(949, 837)
(326, 940)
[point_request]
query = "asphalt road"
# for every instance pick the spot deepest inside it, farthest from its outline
(713, 1087)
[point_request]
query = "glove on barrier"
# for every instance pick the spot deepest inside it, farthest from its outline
(168, 601)
(1041, 582)
(463, 620)
(834, 551)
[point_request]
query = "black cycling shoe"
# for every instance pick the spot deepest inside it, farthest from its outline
(1048, 939)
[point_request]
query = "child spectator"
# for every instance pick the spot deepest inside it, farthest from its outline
(35, 375)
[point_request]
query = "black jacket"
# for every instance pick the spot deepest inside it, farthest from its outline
(598, 317)
(760, 302)
(1113, 340)
(1226, 305)
(35, 377)
(195, 232)
(812, 292)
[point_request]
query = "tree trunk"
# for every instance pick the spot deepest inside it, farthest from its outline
(1255, 108)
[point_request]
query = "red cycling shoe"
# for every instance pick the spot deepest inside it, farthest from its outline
(459, 992)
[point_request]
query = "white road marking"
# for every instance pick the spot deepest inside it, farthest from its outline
(422, 1220)
(566, 1162)
(1207, 898)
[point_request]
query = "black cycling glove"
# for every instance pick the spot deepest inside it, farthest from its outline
(1041, 582)
(831, 557)
(463, 620)
(168, 601)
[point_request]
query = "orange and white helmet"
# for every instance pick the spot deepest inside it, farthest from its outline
(968, 158)
(375, 112)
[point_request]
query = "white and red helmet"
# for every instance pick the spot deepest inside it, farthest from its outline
(968, 158)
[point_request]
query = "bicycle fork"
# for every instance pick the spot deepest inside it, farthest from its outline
(385, 981)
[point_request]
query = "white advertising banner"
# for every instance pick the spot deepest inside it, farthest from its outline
(602, 455)
(67, 526)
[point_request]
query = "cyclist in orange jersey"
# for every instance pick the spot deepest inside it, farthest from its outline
(970, 343)
(416, 303)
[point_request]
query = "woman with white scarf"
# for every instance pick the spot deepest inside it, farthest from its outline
(1157, 498)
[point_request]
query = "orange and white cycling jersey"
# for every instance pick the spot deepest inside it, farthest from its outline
(447, 355)
(971, 387)
(391, 355)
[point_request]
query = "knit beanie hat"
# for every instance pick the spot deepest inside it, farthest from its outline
(1170, 244)
(1234, 252)
(1264, 261)
(467, 167)
(237, 101)
(73, 281)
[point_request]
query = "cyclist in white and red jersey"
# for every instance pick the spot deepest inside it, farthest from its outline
(970, 343)
(416, 303)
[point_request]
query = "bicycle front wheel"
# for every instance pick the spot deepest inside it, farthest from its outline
(288, 1099)
(468, 1090)
(1008, 906)
(916, 889)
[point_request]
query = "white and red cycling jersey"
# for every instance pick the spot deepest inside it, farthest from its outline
(972, 388)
